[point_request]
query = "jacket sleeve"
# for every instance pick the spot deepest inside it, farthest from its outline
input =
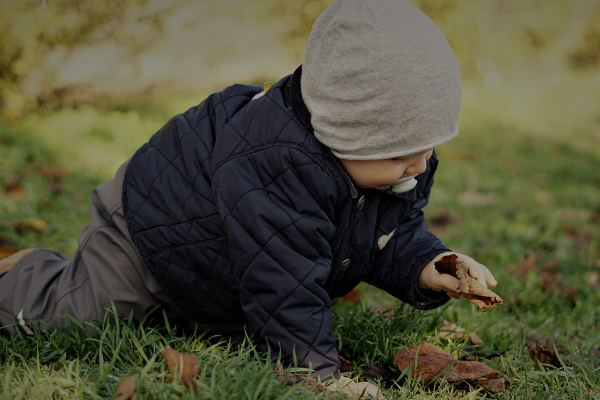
(411, 247)
(278, 222)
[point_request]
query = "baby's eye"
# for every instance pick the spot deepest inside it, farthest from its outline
(400, 160)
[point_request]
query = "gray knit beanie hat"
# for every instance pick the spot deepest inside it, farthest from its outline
(380, 80)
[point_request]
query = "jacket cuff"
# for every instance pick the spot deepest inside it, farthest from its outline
(425, 299)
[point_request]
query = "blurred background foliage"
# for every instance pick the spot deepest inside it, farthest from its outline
(84, 83)
(37, 37)
(72, 52)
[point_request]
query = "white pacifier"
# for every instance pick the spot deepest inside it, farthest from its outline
(405, 184)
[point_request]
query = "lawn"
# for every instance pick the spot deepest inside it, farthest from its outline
(518, 190)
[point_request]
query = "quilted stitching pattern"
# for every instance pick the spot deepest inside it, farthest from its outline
(242, 215)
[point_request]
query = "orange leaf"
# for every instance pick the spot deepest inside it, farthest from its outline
(7, 251)
(14, 186)
(545, 354)
(494, 386)
(183, 368)
(346, 365)
(30, 224)
(352, 297)
(127, 388)
(428, 362)
(51, 172)
(454, 332)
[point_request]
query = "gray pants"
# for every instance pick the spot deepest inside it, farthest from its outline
(44, 285)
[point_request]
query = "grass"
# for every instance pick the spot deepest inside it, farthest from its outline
(519, 194)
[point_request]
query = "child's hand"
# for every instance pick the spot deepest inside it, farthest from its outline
(430, 278)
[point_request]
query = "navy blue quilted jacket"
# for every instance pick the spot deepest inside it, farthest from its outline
(246, 219)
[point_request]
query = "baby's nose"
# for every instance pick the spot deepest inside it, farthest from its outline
(418, 167)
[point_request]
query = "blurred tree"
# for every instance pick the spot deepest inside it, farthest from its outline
(488, 37)
(298, 15)
(587, 55)
(33, 31)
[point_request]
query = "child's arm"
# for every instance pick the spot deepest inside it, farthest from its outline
(412, 246)
(279, 232)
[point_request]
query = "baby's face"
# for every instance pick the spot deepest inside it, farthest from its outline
(380, 174)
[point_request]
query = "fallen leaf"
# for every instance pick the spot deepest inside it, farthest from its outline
(376, 371)
(441, 220)
(15, 191)
(14, 186)
(529, 261)
(30, 224)
(456, 333)
(469, 288)
(550, 276)
(428, 362)
(127, 389)
(7, 251)
(51, 172)
(596, 354)
(577, 236)
(552, 281)
(294, 379)
(545, 354)
(345, 364)
(183, 368)
(495, 386)
(279, 367)
(353, 297)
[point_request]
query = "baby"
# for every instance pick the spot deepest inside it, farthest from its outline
(252, 211)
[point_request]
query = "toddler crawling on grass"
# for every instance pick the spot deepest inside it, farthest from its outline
(252, 211)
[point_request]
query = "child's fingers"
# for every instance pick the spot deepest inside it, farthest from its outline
(446, 282)
(477, 271)
(490, 278)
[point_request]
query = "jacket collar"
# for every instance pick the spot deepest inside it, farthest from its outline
(293, 96)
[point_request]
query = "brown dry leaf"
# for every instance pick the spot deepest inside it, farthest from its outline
(14, 186)
(279, 367)
(294, 379)
(441, 220)
(353, 297)
(596, 354)
(345, 364)
(183, 368)
(552, 280)
(495, 386)
(428, 362)
(30, 224)
(456, 333)
(7, 251)
(127, 389)
(51, 172)
(545, 354)
(577, 236)
(469, 288)
(529, 261)
(376, 371)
